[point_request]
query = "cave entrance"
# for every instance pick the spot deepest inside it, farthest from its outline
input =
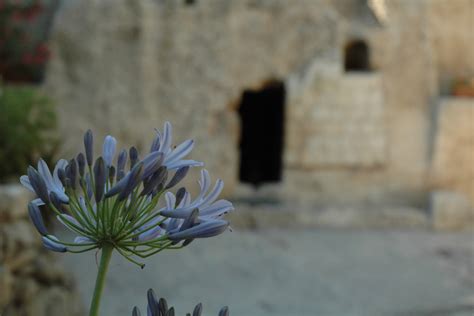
(357, 56)
(262, 127)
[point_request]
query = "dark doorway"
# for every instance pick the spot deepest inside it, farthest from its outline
(261, 140)
(357, 56)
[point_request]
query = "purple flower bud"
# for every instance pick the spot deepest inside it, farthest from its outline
(71, 173)
(86, 182)
(133, 153)
(54, 198)
(62, 177)
(132, 180)
(37, 219)
(53, 244)
(197, 310)
(163, 306)
(121, 162)
(190, 221)
(152, 302)
(179, 196)
(136, 312)
(187, 242)
(159, 188)
(81, 162)
(151, 163)
(224, 311)
(178, 176)
(111, 174)
(88, 145)
(99, 178)
(108, 150)
(155, 145)
(156, 179)
(38, 184)
(203, 230)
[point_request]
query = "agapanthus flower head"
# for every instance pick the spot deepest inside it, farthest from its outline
(105, 202)
(160, 307)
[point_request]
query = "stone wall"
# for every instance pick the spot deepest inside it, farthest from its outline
(32, 283)
(134, 64)
(346, 129)
(453, 158)
(451, 25)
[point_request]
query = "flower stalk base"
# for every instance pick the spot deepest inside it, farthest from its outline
(100, 281)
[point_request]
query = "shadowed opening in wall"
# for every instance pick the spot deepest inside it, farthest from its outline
(357, 56)
(261, 140)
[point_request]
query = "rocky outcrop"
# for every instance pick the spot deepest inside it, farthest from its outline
(32, 282)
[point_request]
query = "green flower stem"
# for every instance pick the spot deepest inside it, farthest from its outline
(100, 281)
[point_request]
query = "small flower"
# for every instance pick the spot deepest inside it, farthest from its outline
(180, 208)
(43, 183)
(207, 229)
(160, 308)
(173, 158)
(206, 202)
(106, 204)
(52, 243)
(36, 218)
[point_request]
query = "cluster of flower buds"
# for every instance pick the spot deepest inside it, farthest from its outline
(107, 203)
(160, 308)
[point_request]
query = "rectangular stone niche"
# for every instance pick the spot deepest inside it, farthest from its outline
(347, 127)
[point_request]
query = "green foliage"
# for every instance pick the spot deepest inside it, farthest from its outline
(27, 125)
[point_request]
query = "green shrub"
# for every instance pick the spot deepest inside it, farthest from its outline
(27, 129)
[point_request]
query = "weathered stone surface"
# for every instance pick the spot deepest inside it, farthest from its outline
(451, 211)
(452, 167)
(18, 237)
(359, 137)
(49, 272)
(192, 78)
(6, 282)
(25, 289)
(13, 201)
(447, 20)
(309, 216)
(54, 301)
(346, 129)
(31, 280)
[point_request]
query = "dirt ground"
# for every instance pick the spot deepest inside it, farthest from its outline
(299, 273)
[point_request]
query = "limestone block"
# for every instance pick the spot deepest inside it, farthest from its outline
(339, 129)
(451, 211)
(48, 272)
(13, 201)
(25, 289)
(453, 161)
(6, 281)
(18, 237)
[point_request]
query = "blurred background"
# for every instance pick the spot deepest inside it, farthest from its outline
(343, 130)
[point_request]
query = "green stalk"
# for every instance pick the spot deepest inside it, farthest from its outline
(100, 281)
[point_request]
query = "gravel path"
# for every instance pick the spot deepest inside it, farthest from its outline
(299, 273)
